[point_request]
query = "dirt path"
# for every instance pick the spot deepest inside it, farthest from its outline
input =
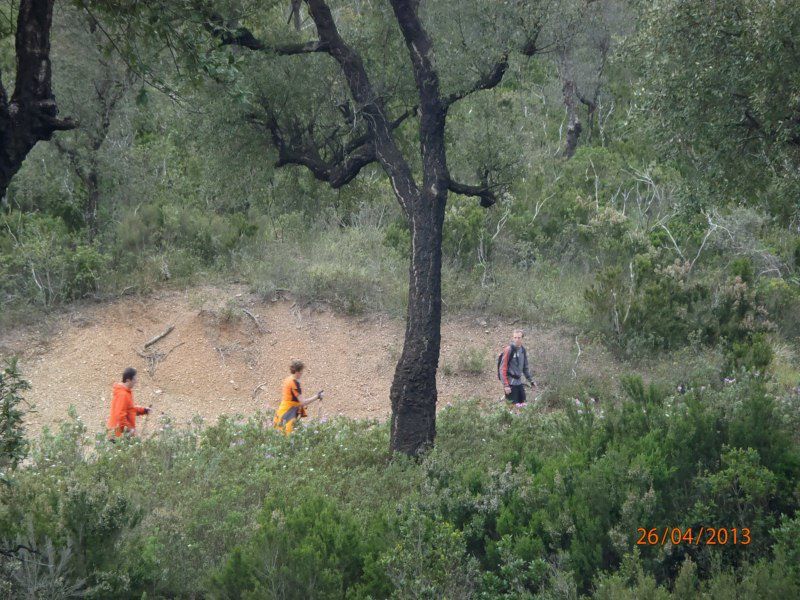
(216, 356)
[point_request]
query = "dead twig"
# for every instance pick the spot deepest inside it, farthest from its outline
(577, 358)
(154, 358)
(257, 389)
(171, 349)
(254, 319)
(160, 336)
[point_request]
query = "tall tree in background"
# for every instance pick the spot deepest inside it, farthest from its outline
(31, 115)
(582, 49)
(721, 83)
(97, 86)
(358, 95)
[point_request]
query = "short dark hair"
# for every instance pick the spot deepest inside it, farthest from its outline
(296, 366)
(128, 374)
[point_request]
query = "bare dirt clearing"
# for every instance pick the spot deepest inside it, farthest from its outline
(215, 356)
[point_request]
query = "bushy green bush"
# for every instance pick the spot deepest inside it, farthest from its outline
(781, 299)
(472, 361)
(42, 263)
(13, 444)
(306, 547)
(656, 305)
(648, 306)
(429, 560)
(528, 505)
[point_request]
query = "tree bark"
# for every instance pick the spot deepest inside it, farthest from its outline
(294, 14)
(31, 115)
(413, 393)
(570, 93)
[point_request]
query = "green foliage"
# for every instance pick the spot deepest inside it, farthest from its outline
(13, 445)
(350, 270)
(781, 299)
(44, 264)
(472, 361)
(650, 307)
(429, 560)
(629, 239)
(523, 506)
(307, 548)
(726, 101)
(465, 232)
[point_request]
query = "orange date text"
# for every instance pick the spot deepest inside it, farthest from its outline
(694, 536)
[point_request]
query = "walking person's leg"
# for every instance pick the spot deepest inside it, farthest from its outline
(517, 395)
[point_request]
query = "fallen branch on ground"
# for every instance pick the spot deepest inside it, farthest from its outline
(160, 336)
(156, 357)
(258, 389)
(171, 349)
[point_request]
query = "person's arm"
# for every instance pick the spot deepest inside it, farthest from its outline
(314, 398)
(142, 410)
(504, 369)
(526, 370)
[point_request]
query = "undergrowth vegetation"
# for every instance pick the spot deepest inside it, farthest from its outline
(529, 505)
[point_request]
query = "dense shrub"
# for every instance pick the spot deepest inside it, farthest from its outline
(42, 263)
(13, 444)
(649, 306)
(506, 506)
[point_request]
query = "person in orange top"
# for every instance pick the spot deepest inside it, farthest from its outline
(123, 410)
(293, 405)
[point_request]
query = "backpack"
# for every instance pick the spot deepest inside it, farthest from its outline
(500, 356)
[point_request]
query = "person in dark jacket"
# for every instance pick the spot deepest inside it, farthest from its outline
(513, 367)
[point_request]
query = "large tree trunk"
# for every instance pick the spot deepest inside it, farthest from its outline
(413, 393)
(31, 115)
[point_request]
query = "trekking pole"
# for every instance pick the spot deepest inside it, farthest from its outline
(319, 406)
(146, 419)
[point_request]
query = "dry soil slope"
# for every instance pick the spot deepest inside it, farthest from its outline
(217, 356)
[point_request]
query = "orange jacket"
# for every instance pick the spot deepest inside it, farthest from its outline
(123, 410)
(289, 409)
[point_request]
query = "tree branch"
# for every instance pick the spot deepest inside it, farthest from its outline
(361, 90)
(486, 82)
(241, 36)
(495, 75)
(433, 111)
(31, 115)
(13, 552)
(336, 173)
(484, 192)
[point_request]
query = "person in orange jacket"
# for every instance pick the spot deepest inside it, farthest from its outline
(293, 405)
(123, 410)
